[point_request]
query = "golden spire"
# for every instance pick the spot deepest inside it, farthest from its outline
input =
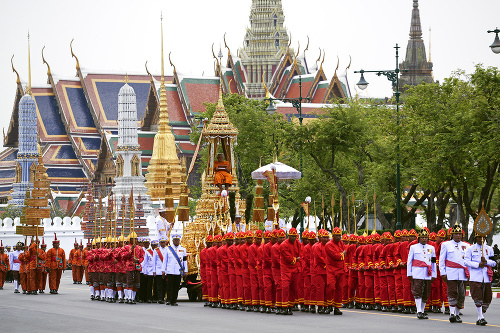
(28, 91)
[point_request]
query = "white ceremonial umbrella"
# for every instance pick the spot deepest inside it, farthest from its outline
(282, 171)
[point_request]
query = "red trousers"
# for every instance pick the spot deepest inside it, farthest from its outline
(444, 293)
(361, 287)
(399, 285)
(384, 293)
(269, 289)
(300, 287)
(54, 279)
(233, 294)
(247, 288)
(86, 272)
(2, 278)
(407, 295)
(34, 279)
(224, 289)
(307, 289)
(239, 288)
(320, 285)
(376, 287)
(205, 288)
(435, 297)
(289, 285)
(312, 297)
(353, 285)
(345, 290)
(279, 289)
(214, 287)
(369, 291)
(262, 298)
(334, 284)
(255, 288)
(391, 287)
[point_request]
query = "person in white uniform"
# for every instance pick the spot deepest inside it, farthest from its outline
(477, 258)
(15, 265)
(162, 227)
(421, 270)
(238, 225)
(454, 272)
(174, 267)
(159, 257)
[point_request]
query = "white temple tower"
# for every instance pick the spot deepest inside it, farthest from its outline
(128, 161)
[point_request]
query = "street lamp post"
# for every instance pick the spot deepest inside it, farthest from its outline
(495, 47)
(297, 104)
(393, 76)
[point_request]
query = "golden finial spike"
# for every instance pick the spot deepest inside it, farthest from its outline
(321, 66)
(45, 62)
(229, 87)
(350, 60)
(147, 71)
(298, 50)
(171, 63)
(14, 70)
(264, 84)
(227, 47)
(162, 65)
(29, 66)
(126, 78)
(73, 55)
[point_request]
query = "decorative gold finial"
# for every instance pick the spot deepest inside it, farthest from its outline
(147, 71)
(45, 62)
(171, 64)
(350, 60)
(227, 47)
(29, 66)
(14, 70)
(321, 66)
(307, 47)
(126, 78)
(298, 50)
(229, 87)
(264, 84)
(290, 41)
(73, 55)
(213, 54)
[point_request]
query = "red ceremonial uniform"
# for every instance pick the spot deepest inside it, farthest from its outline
(267, 273)
(204, 273)
(238, 272)
(231, 268)
(353, 274)
(245, 272)
(306, 272)
(359, 258)
(254, 266)
(214, 285)
(368, 272)
(318, 273)
(276, 268)
(335, 271)
(290, 270)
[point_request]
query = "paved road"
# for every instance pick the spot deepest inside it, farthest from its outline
(73, 310)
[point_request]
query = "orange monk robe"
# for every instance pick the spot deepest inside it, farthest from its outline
(221, 176)
(4, 267)
(55, 260)
(35, 267)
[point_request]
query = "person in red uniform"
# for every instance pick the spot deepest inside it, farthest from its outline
(4, 264)
(290, 269)
(441, 293)
(335, 270)
(132, 256)
(35, 267)
(390, 263)
(353, 273)
(398, 271)
(205, 269)
(435, 295)
(304, 241)
(239, 241)
(318, 271)
(403, 252)
(254, 266)
(345, 288)
(360, 268)
(223, 270)
(276, 269)
(306, 268)
(213, 296)
(376, 247)
(81, 262)
(233, 291)
(56, 261)
(247, 286)
(23, 270)
(368, 273)
(267, 272)
(86, 262)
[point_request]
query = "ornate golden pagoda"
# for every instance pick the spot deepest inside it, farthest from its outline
(164, 150)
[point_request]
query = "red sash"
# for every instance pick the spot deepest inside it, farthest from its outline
(17, 261)
(453, 264)
(150, 251)
(159, 254)
(420, 263)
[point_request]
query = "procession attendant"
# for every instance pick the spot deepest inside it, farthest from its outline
(335, 270)
(56, 261)
(212, 261)
(290, 269)
(442, 291)
(80, 263)
(16, 265)
(345, 288)
(254, 266)
(276, 268)
(270, 238)
(239, 241)
(477, 259)
(247, 286)
(160, 282)
(120, 271)
(399, 271)
(35, 267)
(174, 268)
(231, 269)
(421, 270)
(43, 281)
(352, 268)
(318, 272)
(133, 256)
(360, 267)
(368, 273)
(205, 269)
(86, 262)
(162, 227)
(454, 272)
(72, 261)
(4, 264)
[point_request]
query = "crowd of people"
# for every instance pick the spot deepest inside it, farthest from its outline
(405, 272)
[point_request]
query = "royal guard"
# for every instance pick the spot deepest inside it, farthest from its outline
(335, 270)
(4, 264)
(442, 292)
(43, 280)
(56, 260)
(360, 268)
(398, 271)
(247, 285)
(147, 274)
(318, 272)
(86, 262)
(270, 239)
(133, 256)
(223, 270)
(304, 241)
(158, 259)
(34, 267)
(290, 269)
(345, 289)
(175, 268)
(91, 271)
(376, 247)
(477, 259)
(255, 268)
(353, 273)
(383, 272)
(231, 270)
(306, 269)
(15, 263)
(368, 273)
(404, 249)
(205, 269)
(390, 274)
(239, 240)
(454, 272)
(276, 268)
(421, 270)
(81, 263)
(212, 257)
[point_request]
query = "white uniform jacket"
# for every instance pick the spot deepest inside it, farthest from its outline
(473, 258)
(157, 261)
(452, 251)
(171, 265)
(425, 253)
(147, 263)
(14, 256)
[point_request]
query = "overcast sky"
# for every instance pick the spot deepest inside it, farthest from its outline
(122, 35)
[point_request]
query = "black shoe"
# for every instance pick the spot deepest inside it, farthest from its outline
(385, 309)
(262, 309)
(453, 319)
(302, 308)
(161, 302)
(166, 303)
(458, 319)
(16, 291)
(337, 312)
(74, 282)
(483, 322)
(328, 309)
(321, 310)
(295, 308)
(312, 309)
(400, 308)
(127, 301)
(121, 300)
(174, 304)
(205, 305)
(406, 310)
(56, 292)
(92, 297)
(447, 310)
(394, 309)
(306, 308)
(268, 309)
(413, 310)
(289, 311)
(249, 309)
(132, 302)
(420, 315)
(24, 291)
(241, 307)
(350, 305)
(357, 306)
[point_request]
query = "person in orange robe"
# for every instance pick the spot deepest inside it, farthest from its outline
(222, 174)
(86, 263)
(80, 263)
(43, 281)
(4, 265)
(23, 271)
(55, 259)
(35, 267)
(73, 254)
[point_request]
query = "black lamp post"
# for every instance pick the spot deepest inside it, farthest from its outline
(393, 76)
(297, 104)
(495, 47)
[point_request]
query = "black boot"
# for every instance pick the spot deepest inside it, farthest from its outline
(306, 308)
(312, 309)
(321, 310)
(337, 312)
(268, 309)
(447, 310)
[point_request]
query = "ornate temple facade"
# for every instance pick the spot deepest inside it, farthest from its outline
(419, 69)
